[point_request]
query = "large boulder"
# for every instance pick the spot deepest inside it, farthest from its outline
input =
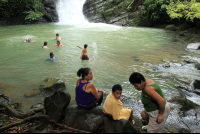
(121, 126)
(56, 104)
(185, 104)
(92, 120)
(171, 27)
(52, 84)
(48, 85)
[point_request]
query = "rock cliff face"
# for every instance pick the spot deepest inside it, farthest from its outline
(49, 7)
(116, 12)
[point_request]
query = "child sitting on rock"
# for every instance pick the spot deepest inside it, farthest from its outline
(113, 106)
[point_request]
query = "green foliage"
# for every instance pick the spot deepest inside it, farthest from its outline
(127, 4)
(153, 9)
(15, 8)
(185, 9)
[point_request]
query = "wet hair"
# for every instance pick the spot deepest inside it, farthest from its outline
(58, 41)
(57, 34)
(135, 78)
(85, 46)
(51, 53)
(116, 87)
(45, 43)
(83, 71)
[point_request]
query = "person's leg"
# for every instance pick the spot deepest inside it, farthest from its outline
(100, 98)
(131, 117)
(145, 116)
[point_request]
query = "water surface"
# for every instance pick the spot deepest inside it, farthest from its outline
(115, 52)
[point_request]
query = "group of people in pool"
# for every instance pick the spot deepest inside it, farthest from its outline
(156, 109)
(58, 38)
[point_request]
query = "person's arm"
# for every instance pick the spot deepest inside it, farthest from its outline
(152, 94)
(100, 90)
(93, 90)
(79, 47)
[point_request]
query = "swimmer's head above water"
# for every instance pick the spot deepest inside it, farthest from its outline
(85, 46)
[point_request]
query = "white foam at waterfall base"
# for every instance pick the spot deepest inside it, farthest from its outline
(70, 12)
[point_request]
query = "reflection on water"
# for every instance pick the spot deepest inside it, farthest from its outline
(114, 52)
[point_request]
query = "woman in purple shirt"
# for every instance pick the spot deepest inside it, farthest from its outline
(87, 96)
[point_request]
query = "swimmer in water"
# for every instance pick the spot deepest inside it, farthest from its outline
(58, 44)
(84, 52)
(45, 45)
(28, 40)
(57, 37)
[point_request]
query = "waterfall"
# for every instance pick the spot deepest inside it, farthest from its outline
(70, 12)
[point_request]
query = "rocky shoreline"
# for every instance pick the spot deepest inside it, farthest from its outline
(59, 110)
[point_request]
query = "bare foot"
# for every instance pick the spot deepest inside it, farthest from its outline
(133, 122)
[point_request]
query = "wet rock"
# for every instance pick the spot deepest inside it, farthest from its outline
(197, 66)
(79, 118)
(165, 74)
(183, 80)
(196, 84)
(48, 85)
(189, 61)
(194, 46)
(32, 92)
(56, 104)
(52, 85)
(121, 126)
(171, 27)
(91, 120)
(183, 101)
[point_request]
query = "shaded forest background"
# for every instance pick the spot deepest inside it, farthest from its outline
(158, 11)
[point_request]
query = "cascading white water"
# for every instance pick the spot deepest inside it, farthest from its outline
(70, 12)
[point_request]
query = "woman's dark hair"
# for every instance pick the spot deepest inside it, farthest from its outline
(57, 34)
(85, 46)
(135, 78)
(58, 42)
(116, 87)
(83, 71)
(51, 53)
(45, 43)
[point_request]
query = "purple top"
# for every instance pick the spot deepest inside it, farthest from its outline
(83, 98)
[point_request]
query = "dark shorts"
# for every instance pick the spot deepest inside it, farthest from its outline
(94, 103)
(85, 57)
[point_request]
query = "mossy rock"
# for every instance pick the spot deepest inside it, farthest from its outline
(187, 105)
(52, 84)
(184, 80)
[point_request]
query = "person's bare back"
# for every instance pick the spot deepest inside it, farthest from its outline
(84, 53)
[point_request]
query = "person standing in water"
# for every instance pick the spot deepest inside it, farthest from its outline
(84, 52)
(57, 37)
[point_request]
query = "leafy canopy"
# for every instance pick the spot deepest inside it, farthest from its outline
(183, 9)
(14, 8)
